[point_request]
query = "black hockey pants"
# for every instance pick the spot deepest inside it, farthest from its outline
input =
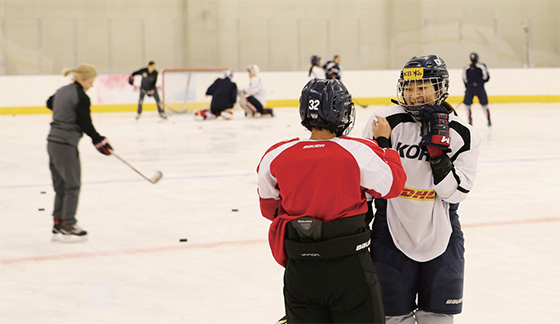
(333, 290)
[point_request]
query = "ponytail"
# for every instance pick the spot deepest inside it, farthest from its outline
(83, 71)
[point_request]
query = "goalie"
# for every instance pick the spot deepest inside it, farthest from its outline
(253, 98)
(224, 95)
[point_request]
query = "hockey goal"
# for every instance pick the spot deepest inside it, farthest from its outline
(184, 89)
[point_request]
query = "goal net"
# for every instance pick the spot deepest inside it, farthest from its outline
(184, 89)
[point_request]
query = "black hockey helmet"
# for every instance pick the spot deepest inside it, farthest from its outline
(418, 69)
(474, 57)
(327, 104)
(315, 59)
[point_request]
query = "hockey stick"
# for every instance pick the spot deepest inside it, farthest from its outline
(153, 179)
(357, 103)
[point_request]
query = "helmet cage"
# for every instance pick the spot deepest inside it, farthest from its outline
(423, 95)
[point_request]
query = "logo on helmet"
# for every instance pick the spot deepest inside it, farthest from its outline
(413, 73)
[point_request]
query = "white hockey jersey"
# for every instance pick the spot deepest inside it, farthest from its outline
(256, 89)
(418, 219)
(317, 72)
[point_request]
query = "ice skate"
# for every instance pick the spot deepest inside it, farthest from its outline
(56, 231)
(69, 233)
(203, 114)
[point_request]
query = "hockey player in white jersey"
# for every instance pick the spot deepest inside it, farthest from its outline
(253, 98)
(417, 242)
(316, 71)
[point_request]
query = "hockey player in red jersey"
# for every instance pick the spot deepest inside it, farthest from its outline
(314, 192)
(417, 242)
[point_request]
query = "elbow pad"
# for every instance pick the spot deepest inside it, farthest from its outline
(441, 166)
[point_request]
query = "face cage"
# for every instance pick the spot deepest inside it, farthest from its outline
(439, 94)
(349, 121)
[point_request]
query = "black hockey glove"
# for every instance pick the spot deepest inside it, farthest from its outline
(103, 146)
(435, 137)
(131, 80)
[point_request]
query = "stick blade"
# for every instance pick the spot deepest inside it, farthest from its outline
(156, 177)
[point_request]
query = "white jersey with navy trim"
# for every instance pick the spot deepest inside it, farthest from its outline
(256, 89)
(317, 72)
(419, 218)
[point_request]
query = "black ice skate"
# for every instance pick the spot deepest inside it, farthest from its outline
(68, 233)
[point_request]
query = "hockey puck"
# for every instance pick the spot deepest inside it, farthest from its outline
(43, 192)
(183, 240)
(41, 209)
(235, 210)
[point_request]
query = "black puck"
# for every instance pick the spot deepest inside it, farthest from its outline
(235, 210)
(41, 209)
(183, 240)
(43, 192)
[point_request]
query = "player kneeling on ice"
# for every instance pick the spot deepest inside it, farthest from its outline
(417, 243)
(314, 192)
(71, 119)
(253, 98)
(224, 95)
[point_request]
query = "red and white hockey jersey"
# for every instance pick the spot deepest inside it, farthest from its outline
(323, 179)
(419, 218)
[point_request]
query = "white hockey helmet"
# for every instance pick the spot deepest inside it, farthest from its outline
(253, 69)
(228, 74)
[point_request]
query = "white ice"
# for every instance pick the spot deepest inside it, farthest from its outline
(133, 269)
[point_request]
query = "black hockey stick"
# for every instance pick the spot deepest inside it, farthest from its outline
(153, 179)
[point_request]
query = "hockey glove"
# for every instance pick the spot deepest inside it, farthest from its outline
(435, 138)
(131, 80)
(103, 146)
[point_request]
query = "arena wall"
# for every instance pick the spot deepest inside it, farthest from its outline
(111, 92)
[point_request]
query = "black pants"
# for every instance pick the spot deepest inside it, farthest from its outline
(141, 100)
(338, 290)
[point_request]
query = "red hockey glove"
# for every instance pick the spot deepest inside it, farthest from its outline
(436, 139)
(103, 146)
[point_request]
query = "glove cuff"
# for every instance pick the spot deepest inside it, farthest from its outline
(383, 142)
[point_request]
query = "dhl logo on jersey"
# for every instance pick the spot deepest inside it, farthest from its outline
(413, 73)
(418, 194)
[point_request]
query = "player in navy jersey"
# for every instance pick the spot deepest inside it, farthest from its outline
(314, 192)
(417, 242)
(224, 95)
(475, 75)
(333, 69)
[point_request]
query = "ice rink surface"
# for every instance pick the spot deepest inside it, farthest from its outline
(134, 269)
